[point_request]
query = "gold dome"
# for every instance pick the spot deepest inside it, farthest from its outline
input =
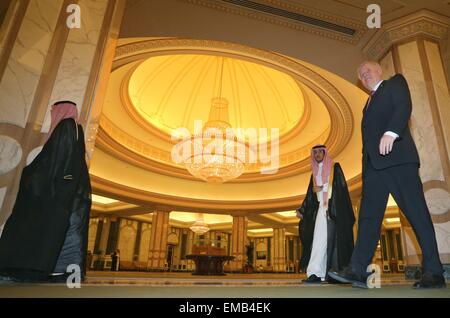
(172, 91)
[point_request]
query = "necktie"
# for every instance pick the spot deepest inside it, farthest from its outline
(370, 98)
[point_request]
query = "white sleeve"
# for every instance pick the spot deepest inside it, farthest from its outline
(392, 134)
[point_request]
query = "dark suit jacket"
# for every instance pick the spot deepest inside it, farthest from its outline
(389, 110)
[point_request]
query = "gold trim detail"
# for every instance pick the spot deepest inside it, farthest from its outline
(341, 116)
(153, 200)
(424, 25)
(118, 143)
(149, 127)
(336, 104)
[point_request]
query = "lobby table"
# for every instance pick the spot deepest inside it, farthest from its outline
(209, 264)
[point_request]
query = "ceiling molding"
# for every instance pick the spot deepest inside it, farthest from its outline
(295, 12)
(339, 111)
(171, 203)
(153, 130)
(423, 22)
(119, 144)
(336, 104)
(158, 201)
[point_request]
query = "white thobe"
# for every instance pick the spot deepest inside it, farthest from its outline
(318, 261)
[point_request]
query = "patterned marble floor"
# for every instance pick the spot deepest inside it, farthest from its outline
(186, 279)
(185, 285)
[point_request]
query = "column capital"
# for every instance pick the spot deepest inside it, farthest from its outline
(421, 23)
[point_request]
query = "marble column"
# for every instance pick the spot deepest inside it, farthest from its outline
(93, 228)
(104, 235)
(279, 250)
(127, 241)
(44, 61)
(145, 242)
(238, 243)
(158, 241)
(191, 237)
(412, 47)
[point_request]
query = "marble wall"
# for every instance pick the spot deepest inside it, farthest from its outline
(279, 250)
(10, 154)
(387, 65)
(440, 88)
(49, 62)
(426, 79)
(438, 196)
(421, 119)
(158, 240)
(127, 240)
(8, 22)
(78, 56)
(92, 234)
(145, 242)
(104, 235)
(238, 242)
(23, 70)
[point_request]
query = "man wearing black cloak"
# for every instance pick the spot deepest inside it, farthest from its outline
(48, 227)
(326, 219)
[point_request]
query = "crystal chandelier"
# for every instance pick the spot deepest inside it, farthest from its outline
(199, 226)
(227, 160)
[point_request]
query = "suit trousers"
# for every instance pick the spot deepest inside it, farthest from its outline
(403, 182)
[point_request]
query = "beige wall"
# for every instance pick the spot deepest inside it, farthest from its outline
(42, 61)
(418, 60)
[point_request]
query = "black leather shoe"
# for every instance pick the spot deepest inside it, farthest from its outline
(313, 279)
(430, 280)
(348, 276)
(330, 280)
(358, 284)
(58, 279)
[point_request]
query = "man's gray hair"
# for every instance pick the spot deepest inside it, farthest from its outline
(371, 62)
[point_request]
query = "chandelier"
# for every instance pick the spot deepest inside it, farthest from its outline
(226, 159)
(199, 226)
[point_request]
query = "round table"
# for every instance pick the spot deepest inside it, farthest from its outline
(209, 264)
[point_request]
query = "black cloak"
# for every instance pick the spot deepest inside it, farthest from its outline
(48, 227)
(339, 224)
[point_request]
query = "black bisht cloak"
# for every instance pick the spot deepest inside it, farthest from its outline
(48, 227)
(339, 224)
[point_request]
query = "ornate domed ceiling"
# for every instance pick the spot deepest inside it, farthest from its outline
(173, 91)
(158, 85)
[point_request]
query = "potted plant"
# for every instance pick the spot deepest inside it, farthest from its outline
(248, 267)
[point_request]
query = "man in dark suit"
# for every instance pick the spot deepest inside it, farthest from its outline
(390, 165)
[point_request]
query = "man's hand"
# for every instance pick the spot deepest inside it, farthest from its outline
(317, 188)
(299, 215)
(386, 144)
